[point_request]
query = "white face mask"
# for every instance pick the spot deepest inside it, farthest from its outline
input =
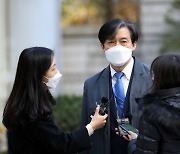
(118, 55)
(52, 82)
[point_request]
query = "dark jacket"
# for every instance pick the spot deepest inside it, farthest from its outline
(99, 86)
(43, 137)
(160, 123)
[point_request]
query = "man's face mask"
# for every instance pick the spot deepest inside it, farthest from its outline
(53, 82)
(118, 55)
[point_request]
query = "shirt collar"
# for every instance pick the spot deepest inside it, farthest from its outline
(127, 70)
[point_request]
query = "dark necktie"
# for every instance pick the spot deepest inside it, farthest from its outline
(119, 93)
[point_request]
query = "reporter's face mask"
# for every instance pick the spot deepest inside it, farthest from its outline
(118, 55)
(53, 82)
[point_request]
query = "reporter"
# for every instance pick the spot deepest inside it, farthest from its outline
(28, 114)
(160, 118)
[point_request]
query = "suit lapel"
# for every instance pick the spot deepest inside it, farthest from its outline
(106, 90)
(104, 87)
(138, 79)
(104, 83)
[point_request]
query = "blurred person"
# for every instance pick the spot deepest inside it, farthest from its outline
(28, 113)
(118, 40)
(160, 119)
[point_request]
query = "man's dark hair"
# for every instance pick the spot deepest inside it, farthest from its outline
(110, 29)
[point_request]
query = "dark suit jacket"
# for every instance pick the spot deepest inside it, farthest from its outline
(43, 137)
(98, 86)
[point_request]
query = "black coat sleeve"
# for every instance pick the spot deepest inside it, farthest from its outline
(46, 135)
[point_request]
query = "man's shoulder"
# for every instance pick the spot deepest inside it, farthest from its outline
(141, 65)
(98, 75)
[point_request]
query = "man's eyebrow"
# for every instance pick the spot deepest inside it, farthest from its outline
(124, 38)
(109, 39)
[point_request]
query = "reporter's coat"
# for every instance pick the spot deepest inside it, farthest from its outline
(43, 137)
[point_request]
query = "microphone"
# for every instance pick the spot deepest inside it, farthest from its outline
(103, 106)
(104, 102)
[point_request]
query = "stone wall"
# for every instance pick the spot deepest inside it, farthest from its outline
(3, 54)
(152, 26)
(3, 71)
(82, 55)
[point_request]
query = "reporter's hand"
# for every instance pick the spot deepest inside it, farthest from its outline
(131, 136)
(98, 121)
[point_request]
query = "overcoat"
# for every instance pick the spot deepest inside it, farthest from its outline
(99, 86)
(160, 123)
(43, 137)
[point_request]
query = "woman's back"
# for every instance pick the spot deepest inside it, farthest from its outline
(160, 123)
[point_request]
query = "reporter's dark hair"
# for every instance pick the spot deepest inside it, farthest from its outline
(110, 29)
(165, 72)
(29, 97)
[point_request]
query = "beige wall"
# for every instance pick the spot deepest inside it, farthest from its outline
(153, 25)
(82, 56)
(3, 69)
(3, 57)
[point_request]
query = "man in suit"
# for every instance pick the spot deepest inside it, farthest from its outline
(118, 40)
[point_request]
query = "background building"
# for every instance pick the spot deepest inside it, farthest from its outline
(82, 55)
(27, 23)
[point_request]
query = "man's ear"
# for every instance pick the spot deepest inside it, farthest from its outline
(134, 46)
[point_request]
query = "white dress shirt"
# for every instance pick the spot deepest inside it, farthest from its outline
(127, 75)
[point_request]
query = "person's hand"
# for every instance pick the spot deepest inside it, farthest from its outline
(98, 121)
(131, 136)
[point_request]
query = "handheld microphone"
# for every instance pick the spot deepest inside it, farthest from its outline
(103, 106)
(104, 102)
